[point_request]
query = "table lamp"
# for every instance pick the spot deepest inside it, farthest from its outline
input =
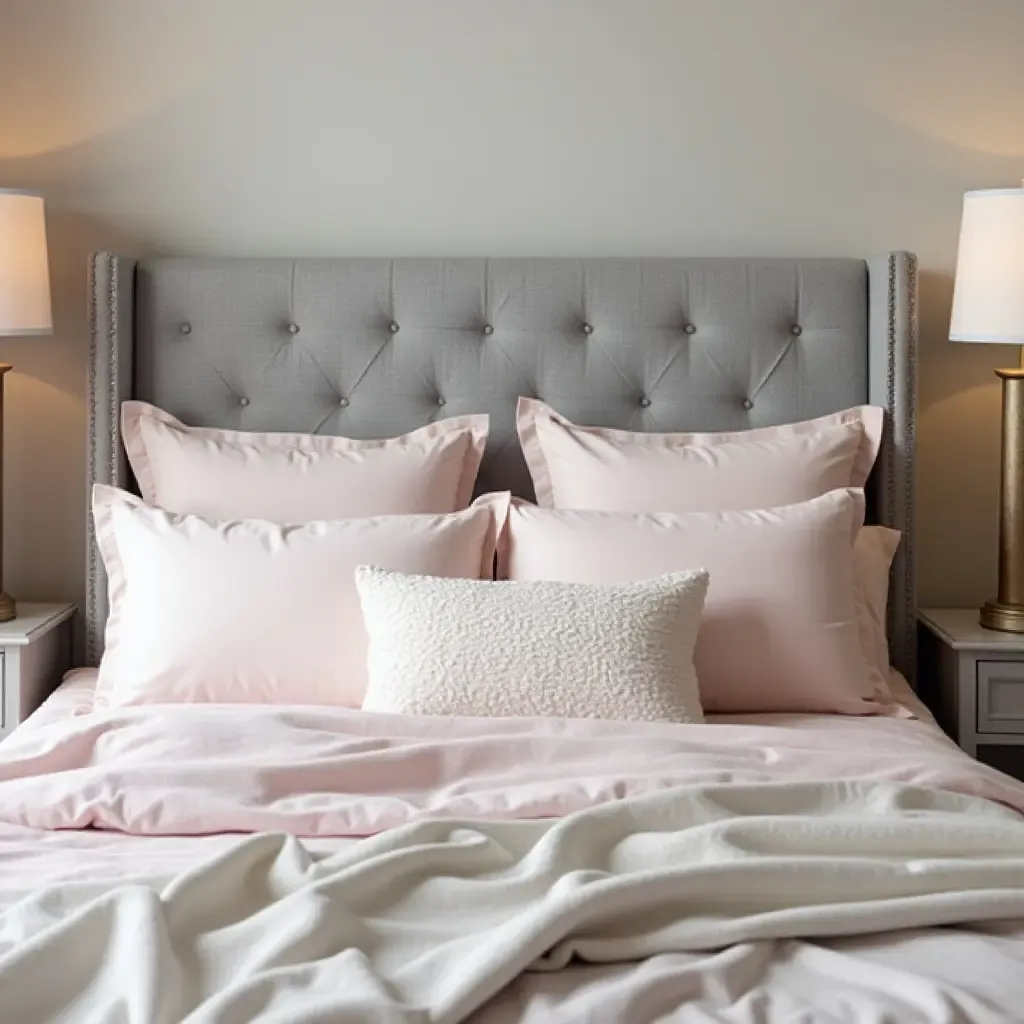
(24, 302)
(988, 307)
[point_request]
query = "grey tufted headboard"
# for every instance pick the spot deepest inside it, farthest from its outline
(375, 347)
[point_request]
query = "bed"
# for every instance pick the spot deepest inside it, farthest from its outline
(756, 868)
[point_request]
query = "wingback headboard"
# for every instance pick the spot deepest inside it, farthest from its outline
(375, 347)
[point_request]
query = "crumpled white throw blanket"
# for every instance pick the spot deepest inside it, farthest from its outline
(426, 922)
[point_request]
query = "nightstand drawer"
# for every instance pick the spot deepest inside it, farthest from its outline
(1001, 696)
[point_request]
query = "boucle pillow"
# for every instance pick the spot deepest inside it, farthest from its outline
(545, 649)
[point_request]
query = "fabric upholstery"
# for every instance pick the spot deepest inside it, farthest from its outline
(541, 649)
(892, 384)
(378, 347)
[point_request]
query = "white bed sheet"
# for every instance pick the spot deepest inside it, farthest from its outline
(953, 974)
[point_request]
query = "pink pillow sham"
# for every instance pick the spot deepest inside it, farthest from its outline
(779, 631)
(250, 611)
(873, 554)
(626, 471)
(297, 478)
(629, 471)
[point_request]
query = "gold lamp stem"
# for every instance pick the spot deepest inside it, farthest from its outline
(1007, 611)
(7, 607)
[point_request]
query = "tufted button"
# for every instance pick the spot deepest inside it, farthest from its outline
(243, 401)
(292, 328)
(796, 329)
(645, 402)
(343, 402)
(440, 400)
(185, 328)
(393, 327)
(587, 328)
(488, 330)
(690, 329)
(748, 404)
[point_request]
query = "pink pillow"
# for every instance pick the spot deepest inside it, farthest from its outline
(779, 630)
(626, 471)
(253, 611)
(296, 478)
(873, 554)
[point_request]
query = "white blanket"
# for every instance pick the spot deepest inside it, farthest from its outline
(428, 921)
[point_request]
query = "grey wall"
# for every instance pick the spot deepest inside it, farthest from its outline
(503, 127)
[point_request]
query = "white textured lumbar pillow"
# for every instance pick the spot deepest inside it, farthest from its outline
(537, 649)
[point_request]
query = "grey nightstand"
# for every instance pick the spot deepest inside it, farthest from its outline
(35, 652)
(978, 675)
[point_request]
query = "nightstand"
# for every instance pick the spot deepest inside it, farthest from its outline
(35, 652)
(978, 680)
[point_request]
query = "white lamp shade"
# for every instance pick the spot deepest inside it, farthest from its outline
(988, 296)
(24, 266)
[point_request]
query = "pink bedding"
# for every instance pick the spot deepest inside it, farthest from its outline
(196, 770)
(155, 771)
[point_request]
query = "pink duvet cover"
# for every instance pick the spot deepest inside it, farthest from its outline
(162, 772)
(319, 772)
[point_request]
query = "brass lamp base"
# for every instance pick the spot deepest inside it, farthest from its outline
(1006, 612)
(8, 609)
(1008, 618)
